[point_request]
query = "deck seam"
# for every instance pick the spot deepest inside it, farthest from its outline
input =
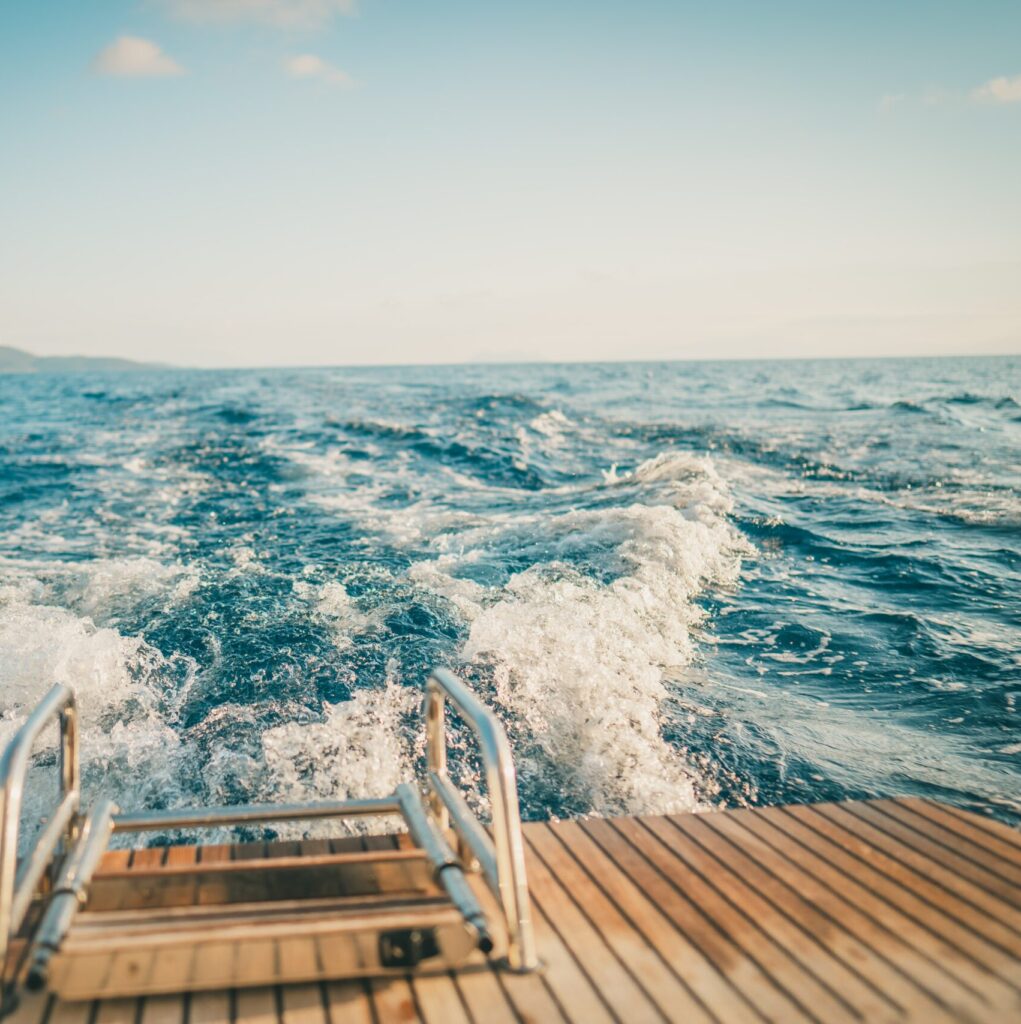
(913, 981)
(728, 939)
(928, 878)
(507, 999)
(973, 960)
(952, 823)
(816, 908)
(981, 882)
(596, 929)
(548, 918)
(369, 1001)
(939, 865)
(913, 892)
(639, 931)
(867, 982)
(997, 829)
(790, 952)
(784, 949)
(567, 1017)
(934, 824)
(415, 1001)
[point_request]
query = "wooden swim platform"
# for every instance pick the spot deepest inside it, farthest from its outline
(866, 911)
(887, 910)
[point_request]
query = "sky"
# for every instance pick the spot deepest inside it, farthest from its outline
(285, 182)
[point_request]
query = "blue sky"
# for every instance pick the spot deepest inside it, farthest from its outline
(255, 182)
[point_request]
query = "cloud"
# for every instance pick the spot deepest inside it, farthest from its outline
(308, 65)
(132, 57)
(999, 90)
(285, 13)
(933, 96)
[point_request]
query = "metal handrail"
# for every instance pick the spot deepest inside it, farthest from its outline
(501, 858)
(253, 814)
(18, 887)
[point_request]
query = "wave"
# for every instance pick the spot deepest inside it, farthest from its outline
(579, 649)
(128, 695)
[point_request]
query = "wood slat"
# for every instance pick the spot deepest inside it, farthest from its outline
(997, 829)
(950, 946)
(884, 910)
(117, 1011)
(69, 1013)
(624, 936)
(1006, 897)
(256, 1005)
(302, 1004)
(393, 1000)
(209, 1007)
(951, 893)
(578, 939)
(625, 878)
(769, 979)
(806, 973)
(348, 1002)
(960, 836)
(438, 1000)
(32, 1008)
(483, 998)
(530, 997)
(900, 969)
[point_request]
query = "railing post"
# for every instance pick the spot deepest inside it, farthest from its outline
(58, 703)
(70, 767)
(436, 747)
(511, 883)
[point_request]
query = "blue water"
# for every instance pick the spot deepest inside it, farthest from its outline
(681, 585)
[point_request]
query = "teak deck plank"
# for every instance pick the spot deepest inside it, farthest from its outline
(625, 939)
(607, 864)
(975, 830)
(883, 910)
(913, 920)
(995, 828)
(948, 890)
(957, 841)
(751, 962)
(809, 974)
(947, 861)
(901, 970)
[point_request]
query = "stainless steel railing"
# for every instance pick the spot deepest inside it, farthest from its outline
(502, 857)
(18, 885)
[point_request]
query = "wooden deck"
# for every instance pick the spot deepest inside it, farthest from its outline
(878, 911)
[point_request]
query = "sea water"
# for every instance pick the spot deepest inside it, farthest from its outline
(680, 585)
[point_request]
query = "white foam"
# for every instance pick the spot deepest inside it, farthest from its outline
(363, 747)
(332, 604)
(126, 692)
(582, 663)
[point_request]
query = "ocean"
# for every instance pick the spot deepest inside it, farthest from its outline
(681, 585)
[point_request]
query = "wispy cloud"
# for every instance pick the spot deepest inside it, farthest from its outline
(999, 90)
(133, 57)
(308, 65)
(891, 101)
(285, 13)
(1004, 89)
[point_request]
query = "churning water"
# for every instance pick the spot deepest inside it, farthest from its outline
(680, 584)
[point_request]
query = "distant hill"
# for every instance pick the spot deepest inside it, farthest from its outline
(14, 360)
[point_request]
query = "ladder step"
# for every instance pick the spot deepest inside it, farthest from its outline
(280, 878)
(271, 949)
(168, 919)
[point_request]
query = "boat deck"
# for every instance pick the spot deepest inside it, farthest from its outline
(877, 911)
